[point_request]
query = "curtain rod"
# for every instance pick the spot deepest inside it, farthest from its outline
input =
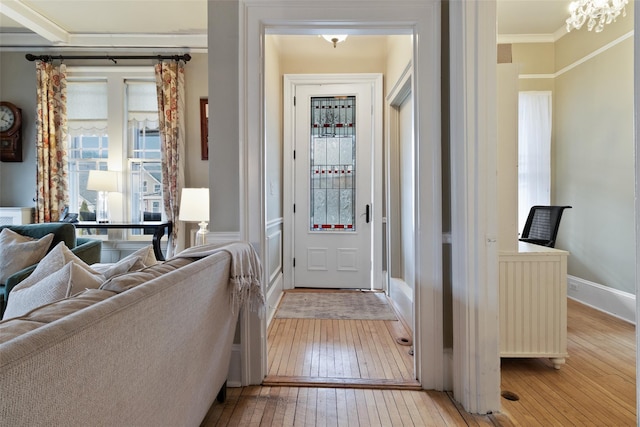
(48, 58)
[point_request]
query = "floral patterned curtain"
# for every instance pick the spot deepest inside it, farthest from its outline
(51, 138)
(171, 97)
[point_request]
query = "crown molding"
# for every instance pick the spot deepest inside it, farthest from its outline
(525, 38)
(20, 41)
(533, 38)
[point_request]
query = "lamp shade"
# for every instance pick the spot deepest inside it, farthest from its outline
(102, 180)
(194, 204)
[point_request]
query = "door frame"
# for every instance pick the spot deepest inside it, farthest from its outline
(244, 71)
(291, 81)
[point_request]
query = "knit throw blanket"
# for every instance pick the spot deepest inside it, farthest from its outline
(245, 273)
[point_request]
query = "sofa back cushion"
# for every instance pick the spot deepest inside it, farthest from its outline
(16, 326)
(131, 280)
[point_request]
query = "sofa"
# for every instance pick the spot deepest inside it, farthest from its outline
(86, 249)
(147, 348)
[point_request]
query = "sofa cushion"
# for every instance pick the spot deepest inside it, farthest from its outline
(130, 280)
(69, 280)
(11, 328)
(18, 251)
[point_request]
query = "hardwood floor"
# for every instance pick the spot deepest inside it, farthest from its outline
(317, 350)
(306, 406)
(596, 387)
(340, 353)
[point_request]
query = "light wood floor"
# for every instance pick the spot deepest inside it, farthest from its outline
(346, 351)
(307, 406)
(596, 387)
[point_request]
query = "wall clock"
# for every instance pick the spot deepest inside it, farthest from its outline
(10, 132)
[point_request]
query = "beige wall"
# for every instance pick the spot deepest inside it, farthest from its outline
(592, 146)
(594, 167)
(273, 129)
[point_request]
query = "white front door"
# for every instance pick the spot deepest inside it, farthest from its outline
(333, 186)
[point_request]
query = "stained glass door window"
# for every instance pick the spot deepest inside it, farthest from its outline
(333, 164)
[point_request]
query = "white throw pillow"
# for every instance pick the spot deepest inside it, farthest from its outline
(69, 280)
(57, 258)
(18, 252)
(125, 265)
(142, 258)
(147, 256)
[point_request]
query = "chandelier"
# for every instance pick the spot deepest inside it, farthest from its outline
(595, 12)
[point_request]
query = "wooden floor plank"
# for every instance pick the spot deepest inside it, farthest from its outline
(595, 387)
(338, 348)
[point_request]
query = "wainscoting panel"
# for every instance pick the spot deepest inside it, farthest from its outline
(533, 303)
(273, 266)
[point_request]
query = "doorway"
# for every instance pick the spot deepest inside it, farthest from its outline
(417, 20)
(334, 222)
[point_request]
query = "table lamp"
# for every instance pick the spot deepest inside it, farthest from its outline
(194, 207)
(103, 182)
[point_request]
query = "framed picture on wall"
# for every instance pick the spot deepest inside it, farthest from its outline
(204, 128)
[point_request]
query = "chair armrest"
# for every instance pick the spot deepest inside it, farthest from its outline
(537, 241)
(88, 250)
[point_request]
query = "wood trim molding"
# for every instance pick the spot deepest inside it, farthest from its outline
(422, 19)
(476, 359)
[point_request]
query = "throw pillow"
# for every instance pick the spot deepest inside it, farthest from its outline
(142, 258)
(69, 280)
(57, 258)
(18, 252)
(147, 256)
(125, 265)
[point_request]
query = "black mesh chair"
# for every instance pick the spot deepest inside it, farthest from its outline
(542, 225)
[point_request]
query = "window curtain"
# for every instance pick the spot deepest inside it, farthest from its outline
(51, 138)
(171, 97)
(534, 152)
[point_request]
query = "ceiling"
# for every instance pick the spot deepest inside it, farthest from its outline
(109, 24)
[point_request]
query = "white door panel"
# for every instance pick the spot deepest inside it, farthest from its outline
(333, 186)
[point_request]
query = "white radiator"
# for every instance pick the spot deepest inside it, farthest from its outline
(533, 303)
(16, 216)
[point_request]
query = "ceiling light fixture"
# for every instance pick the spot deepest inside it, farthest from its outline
(335, 39)
(595, 12)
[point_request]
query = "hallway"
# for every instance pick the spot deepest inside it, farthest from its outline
(340, 352)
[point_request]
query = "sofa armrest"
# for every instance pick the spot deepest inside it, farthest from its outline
(88, 250)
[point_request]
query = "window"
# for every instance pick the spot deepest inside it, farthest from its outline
(534, 152)
(113, 124)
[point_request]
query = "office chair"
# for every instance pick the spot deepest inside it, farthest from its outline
(542, 225)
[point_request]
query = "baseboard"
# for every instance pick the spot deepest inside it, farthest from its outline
(617, 303)
(401, 296)
(234, 379)
(274, 294)
(447, 384)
